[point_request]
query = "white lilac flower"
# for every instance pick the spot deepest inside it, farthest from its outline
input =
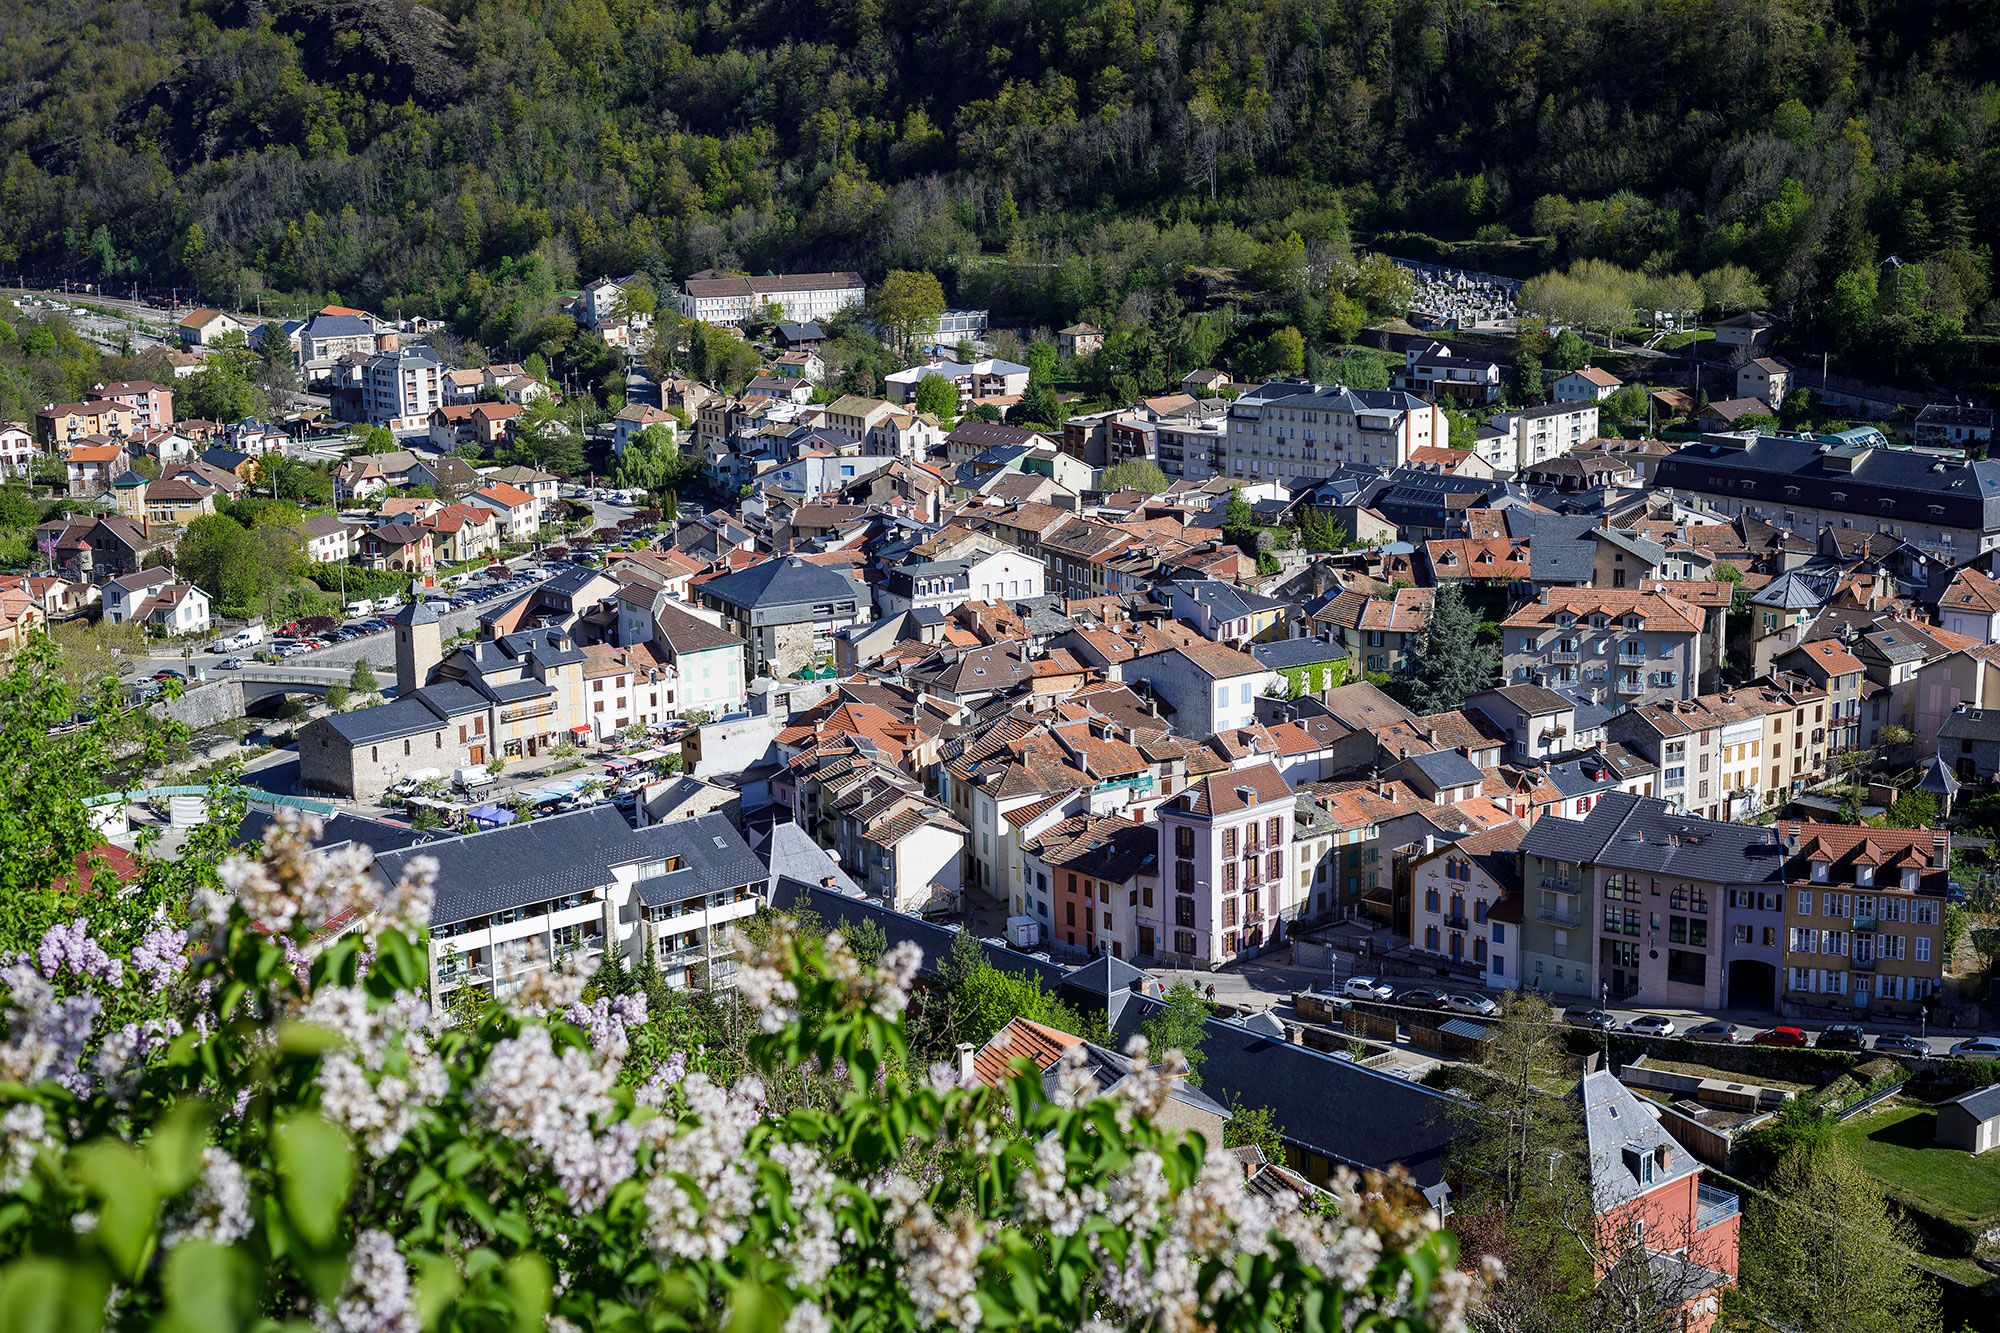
(608, 1021)
(23, 1133)
(1075, 1084)
(122, 1056)
(292, 884)
(703, 1188)
(218, 1207)
(1045, 1199)
(807, 1317)
(71, 949)
(377, 1297)
(553, 1104)
(161, 957)
(768, 990)
(809, 1246)
(377, 1084)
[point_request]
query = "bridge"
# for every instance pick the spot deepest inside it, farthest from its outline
(263, 684)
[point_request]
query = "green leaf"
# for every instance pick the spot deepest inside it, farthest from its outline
(209, 1289)
(45, 1296)
(528, 1281)
(297, 1038)
(437, 1287)
(316, 1170)
(116, 1176)
(173, 1149)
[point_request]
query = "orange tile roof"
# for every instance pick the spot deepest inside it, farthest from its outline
(1021, 1039)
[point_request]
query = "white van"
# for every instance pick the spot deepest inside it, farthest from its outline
(356, 610)
(473, 777)
(250, 635)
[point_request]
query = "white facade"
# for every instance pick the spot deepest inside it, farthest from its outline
(17, 450)
(800, 298)
(1534, 435)
(1287, 431)
(400, 389)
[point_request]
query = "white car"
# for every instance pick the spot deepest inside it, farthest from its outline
(1652, 1025)
(1367, 988)
(1471, 1004)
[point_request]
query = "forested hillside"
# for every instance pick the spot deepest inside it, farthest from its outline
(1046, 157)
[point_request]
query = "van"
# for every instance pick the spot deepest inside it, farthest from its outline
(473, 777)
(356, 610)
(250, 635)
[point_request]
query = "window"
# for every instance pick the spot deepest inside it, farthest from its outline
(1430, 900)
(1183, 841)
(1229, 842)
(1923, 948)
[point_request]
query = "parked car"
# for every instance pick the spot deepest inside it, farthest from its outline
(1984, 1048)
(1842, 1037)
(1420, 997)
(1471, 1004)
(1716, 1032)
(1902, 1043)
(1367, 988)
(1781, 1036)
(1652, 1025)
(1583, 1016)
(230, 664)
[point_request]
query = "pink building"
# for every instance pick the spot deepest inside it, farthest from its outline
(1658, 1226)
(152, 404)
(1224, 841)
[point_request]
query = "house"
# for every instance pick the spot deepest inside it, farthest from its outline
(1750, 330)
(1729, 414)
(542, 485)
(175, 501)
(95, 550)
(1208, 687)
(1089, 879)
(456, 426)
(1435, 371)
(519, 513)
(1863, 916)
(67, 423)
(22, 615)
(327, 538)
(1637, 645)
(1653, 1212)
(945, 585)
(206, 327)
(1587, 384)
(976, 382)
(1079, 340)
(17, 450)
(800, 335)
(788, 611)
(1970, 605)
(152, 405)
(1953, 424)
(1465, 903)
(1765, 380)
(1379, 633)
(1226, 889)
(406, 547)
(1968, 743)
(462, 532)
(1226, 613)
(635, 417)
(92, 467)
(1308, 666)
(1287, 432)
(333, 334)
(602, 302)
(1970, 1122)
(153, 598)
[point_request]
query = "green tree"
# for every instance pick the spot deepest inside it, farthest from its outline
(222, 390)
(1285, 352)
(1823, 1251)
(1180, 1025)
(1913, 809)
(1451, 663)
(1254, 1127)
(362, 679)
(1319, 533)
(1039, 407)
(907, 305)
(938, 396)
(1568, 352)
(218, 555)
(1134, 474)
(976, 1000)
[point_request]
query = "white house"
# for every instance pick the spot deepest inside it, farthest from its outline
(519, 513)
(1587, 385)
(329, 540)
(1209, 687)
(17, 449)
(944, 585)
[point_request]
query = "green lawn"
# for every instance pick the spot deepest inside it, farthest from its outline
(1898, 1146)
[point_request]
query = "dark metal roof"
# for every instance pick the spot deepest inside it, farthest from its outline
(522, 863)
(1642, 833)
(1894, 484)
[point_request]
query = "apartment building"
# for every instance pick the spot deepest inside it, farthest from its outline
(1438, 373)
(512, 901)
(799, 298)
(401, 388)
(1639, 646)
(1864, 916)
(1530, 436)
(152, 405)
(1288, 432)
(1223, 847)
(1465, 903)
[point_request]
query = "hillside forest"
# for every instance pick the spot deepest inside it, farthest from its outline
(1145, 163)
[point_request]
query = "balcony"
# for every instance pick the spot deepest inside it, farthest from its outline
(1627, 685)
(1563, 656)
(1863, 921)
(1556, 883)
(1712, 1206)
(1861, 964)
(1457, 923)
(1559, 916)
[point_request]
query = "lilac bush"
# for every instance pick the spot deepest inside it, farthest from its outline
(295, 1137)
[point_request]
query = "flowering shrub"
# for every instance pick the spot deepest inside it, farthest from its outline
(295, 1139)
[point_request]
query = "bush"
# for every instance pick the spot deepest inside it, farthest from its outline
(303, 1142)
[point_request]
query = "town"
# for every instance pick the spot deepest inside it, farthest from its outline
(1331, 724)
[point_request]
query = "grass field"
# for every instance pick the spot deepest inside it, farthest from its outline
(1898, 1147)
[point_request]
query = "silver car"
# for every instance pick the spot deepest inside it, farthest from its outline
(1471, 1004)
(1367, 988)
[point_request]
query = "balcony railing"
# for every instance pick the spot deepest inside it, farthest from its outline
(1713, 1205)
(1628, 686)
(1563, 656)
(1457, 923)
(1864, 921)
(1559, 916)
(1558, 884)
(1861, 964)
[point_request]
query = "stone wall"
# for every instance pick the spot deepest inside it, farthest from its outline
(202, 706)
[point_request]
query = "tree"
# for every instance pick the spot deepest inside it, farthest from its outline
(1913, 809)
(1450, 664)
(1039, 407)
(1134, 474)
(222, 390)
(1568, 352)
(1731, 287)
(362, 679)
(907, 305)
(1463, 427)
(1254, 1127)
(937, 396)
(1285, 352)
(1318, 532)
(1179, 1025)
(1823, 1250)
(976, 1000)
(218, 555)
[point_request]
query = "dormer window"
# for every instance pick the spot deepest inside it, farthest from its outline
(1819, 869)
(1598, 620)
(1910, 878)
(1864, 875)
(1565, 620)
(1632, 621)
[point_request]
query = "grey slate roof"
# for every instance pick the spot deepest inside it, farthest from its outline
(1278, 654)
(780, 583)
(713, 856)
(1643, 833)
(793, 854)
(1890, 485)
(528, 862)
(1980, 1103)
(1619, 1128)
(1970, 724)
(1446, 768)
(421, 711)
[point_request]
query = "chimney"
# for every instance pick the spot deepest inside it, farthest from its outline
(965, 1052)
(388, 342)
(1940, 848)
(1295, 1034)
(1663, 1157)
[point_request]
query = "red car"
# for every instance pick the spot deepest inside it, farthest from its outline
(1781, 1037)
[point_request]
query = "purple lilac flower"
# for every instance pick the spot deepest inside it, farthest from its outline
(70, 948)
